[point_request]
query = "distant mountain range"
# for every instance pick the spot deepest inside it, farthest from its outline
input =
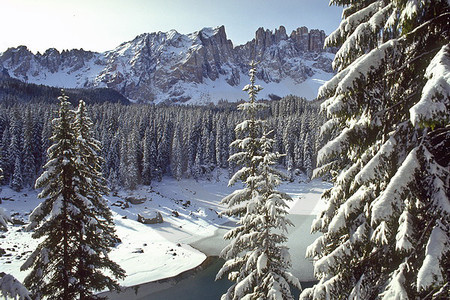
(196, 68)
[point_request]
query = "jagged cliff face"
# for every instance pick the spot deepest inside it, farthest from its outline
(199, 67)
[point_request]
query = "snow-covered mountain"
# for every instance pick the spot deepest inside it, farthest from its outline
(200, 67)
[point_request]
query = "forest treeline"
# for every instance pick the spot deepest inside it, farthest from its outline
(13, 90)
(142, 143)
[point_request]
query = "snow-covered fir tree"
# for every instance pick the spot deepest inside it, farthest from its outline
(12, 288)
(96, 235)
(16, 180)
(257, 259)
(73, 220)
(147, 159)
(28, 162)
(177, 159)
(387, 225)
(307, 155)
(4, 161)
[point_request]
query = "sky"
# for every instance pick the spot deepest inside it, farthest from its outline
(100, 25)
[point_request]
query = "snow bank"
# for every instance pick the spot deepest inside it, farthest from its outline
(157, 251)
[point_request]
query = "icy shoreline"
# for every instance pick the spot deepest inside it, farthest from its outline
(153, 252)
(148, 288)
(211, 247)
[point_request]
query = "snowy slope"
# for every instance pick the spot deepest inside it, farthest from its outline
(152, 252)
(195, 68)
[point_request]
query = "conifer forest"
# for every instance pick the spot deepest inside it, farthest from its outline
(143, 176)
(143, 143)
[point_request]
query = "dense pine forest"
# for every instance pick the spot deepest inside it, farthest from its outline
(142, 143)
(381, 136)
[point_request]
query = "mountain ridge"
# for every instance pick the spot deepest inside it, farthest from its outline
(199, 67)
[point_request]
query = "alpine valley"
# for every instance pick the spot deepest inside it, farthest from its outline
(196, 68)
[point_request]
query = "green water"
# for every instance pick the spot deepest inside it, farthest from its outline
(202, 286)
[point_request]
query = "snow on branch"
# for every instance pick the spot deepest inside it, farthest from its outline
(351, 22)
(395, 288)
(330, 261)
(356, 201)
(434, 104)
(410, 11)
(354, 41)
(362, 67)
(381, 233)
(372, 169)
(333, 147)
(382, 207)
(316, 247)
(11, 287)
(437, 247)
(405, 232)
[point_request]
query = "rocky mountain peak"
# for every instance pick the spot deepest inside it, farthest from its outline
(265, 38)
(170, 66)
(18, 54)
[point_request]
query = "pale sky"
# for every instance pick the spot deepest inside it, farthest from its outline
(101, 25)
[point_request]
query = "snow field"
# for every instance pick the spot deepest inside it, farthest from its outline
(157, 251)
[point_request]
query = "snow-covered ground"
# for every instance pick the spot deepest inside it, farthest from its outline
(213, 91)
(191, 229)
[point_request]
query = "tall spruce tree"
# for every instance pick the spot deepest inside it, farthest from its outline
(386, 230)
(96, 235)
(256, 259)
(73, 220)
(17, 180)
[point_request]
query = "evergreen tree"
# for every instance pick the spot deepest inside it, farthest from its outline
(113, 163)
(73, 220)
(386, 230)
(147, 163)
(17, 180)
(177, 159)
(307, 155)
(95, 214)
(46, 136)
(15, 153)
(36, 142)
(4, 161)
(257, 259)
(197, 168)
(298, 153)
(153, 157)
(29, 168)
(288, 141)
(131, 153)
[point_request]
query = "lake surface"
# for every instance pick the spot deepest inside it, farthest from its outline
(202, 286)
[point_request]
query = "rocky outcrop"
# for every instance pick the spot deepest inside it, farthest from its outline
(161, 66)
(134, 200)
(150, 217)
(316, 40)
